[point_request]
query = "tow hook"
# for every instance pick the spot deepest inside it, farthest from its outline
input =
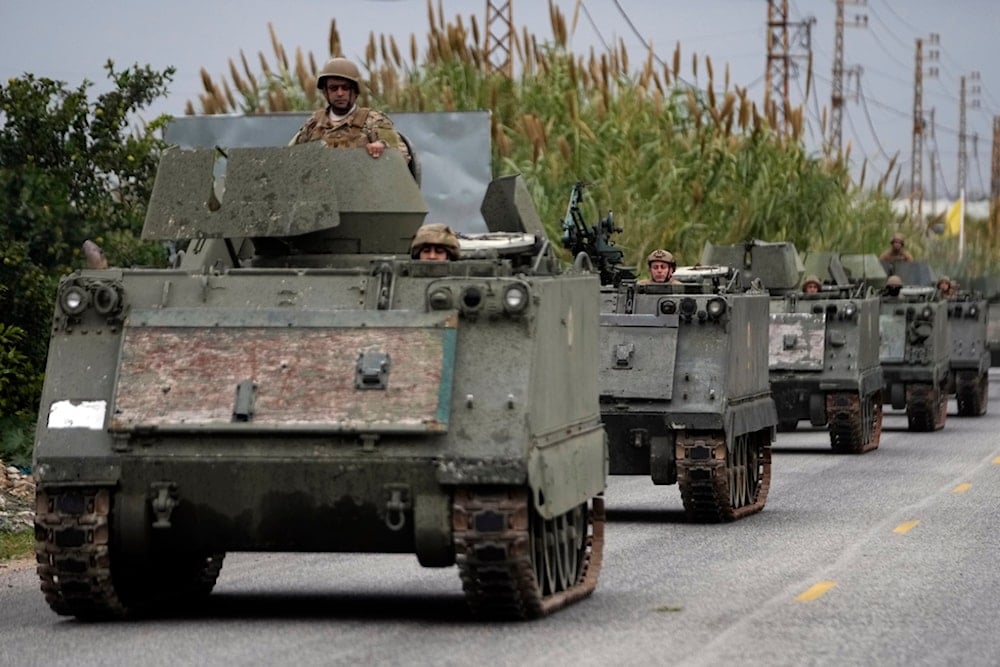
(164, 501)
(397, 506)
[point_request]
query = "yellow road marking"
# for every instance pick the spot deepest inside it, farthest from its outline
(815, 591)
(906, 527)
(997, 460)
(962, 488)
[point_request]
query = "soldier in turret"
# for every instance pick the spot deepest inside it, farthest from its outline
(342, 123)
(893, 285)
(944, 287)
(895, 253)
(661, 265)
(811, 285)
(436, 243)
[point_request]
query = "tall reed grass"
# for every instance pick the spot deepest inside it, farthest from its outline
(678, 164)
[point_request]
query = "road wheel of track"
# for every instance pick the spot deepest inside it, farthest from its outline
(972, 393)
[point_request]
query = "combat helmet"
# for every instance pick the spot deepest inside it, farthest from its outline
(661, 255)
(814, 279)
(341, 68)
(893, 281)
(435, 234)
(898, 237)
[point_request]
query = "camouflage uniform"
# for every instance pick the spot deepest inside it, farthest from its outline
(357, 129)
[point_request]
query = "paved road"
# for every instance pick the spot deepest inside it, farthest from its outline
(889, 558)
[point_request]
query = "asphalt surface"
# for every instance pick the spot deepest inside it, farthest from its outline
(888, 558)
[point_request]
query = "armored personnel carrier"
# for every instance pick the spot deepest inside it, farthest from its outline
(969, 363)
(683, 379)
(989, 287)
(914, 348)
(303, 385)
(823, 355)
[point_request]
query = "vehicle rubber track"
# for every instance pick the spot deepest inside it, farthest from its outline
(704, 475)
(926, 407)
(855, 427)
(493, 547)
(72, 529)
(71, 546)
(971, 393)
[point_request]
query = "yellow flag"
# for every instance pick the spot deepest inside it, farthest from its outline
(953, 219)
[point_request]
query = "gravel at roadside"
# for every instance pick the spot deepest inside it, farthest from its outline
(17, 500)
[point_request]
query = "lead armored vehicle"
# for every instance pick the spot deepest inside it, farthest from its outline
(683, 378)
(823, 354)
(914, 347)
(303, 385)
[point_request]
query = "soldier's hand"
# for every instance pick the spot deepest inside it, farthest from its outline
(375, 148)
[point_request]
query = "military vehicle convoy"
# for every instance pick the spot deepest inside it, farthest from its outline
(303, 385)
(915, 349)
(683, 378)
(823, 354)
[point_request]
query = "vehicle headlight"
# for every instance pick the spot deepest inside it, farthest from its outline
(850, 310)
(74, 300)
(926, 313)
(668, 307)
(716, 307)
(973, 312)
(106, 300)
(440, 299)
(515, 298)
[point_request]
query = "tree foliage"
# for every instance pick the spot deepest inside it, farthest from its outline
(71, 168)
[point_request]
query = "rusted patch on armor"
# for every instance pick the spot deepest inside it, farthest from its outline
(797, 341)
(184, 377)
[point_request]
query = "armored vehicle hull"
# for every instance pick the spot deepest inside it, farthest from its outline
(915, 354)
(824, 366)
(822, 358)
(969, 363)
(328, 394)
(684, 391)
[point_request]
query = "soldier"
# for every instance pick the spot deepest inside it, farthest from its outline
(892, 286)
(661, 265)
(811, 285)
(895, 253)
(342, 123)
(944, 287)
(436, 243)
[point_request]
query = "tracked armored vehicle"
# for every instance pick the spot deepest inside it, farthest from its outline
(914, 348)
(989, 287)
(969, 362)
(303, 385)
(683, 379)
(823, 347)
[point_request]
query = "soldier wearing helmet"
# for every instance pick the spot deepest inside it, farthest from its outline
(342, 123)
(661, 265)
(435, 242)
(892, 286)
(944, 284)
(812, 284)
(895, 253)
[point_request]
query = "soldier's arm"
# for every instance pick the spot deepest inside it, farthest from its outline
(382, 129)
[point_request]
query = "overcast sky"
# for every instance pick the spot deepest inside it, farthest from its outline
(70, 40)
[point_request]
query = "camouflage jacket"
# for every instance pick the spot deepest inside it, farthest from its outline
(893, 257)
(356, 130)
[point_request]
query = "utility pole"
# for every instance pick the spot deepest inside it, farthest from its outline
(963, 158)
(782, 65)
(995, 180)
(917, 150)
(500, 37)
(933, 166)
(837, 89)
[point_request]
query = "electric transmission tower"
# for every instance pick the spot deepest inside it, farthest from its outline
(788, 42)
(500, 37)
(837, 95)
